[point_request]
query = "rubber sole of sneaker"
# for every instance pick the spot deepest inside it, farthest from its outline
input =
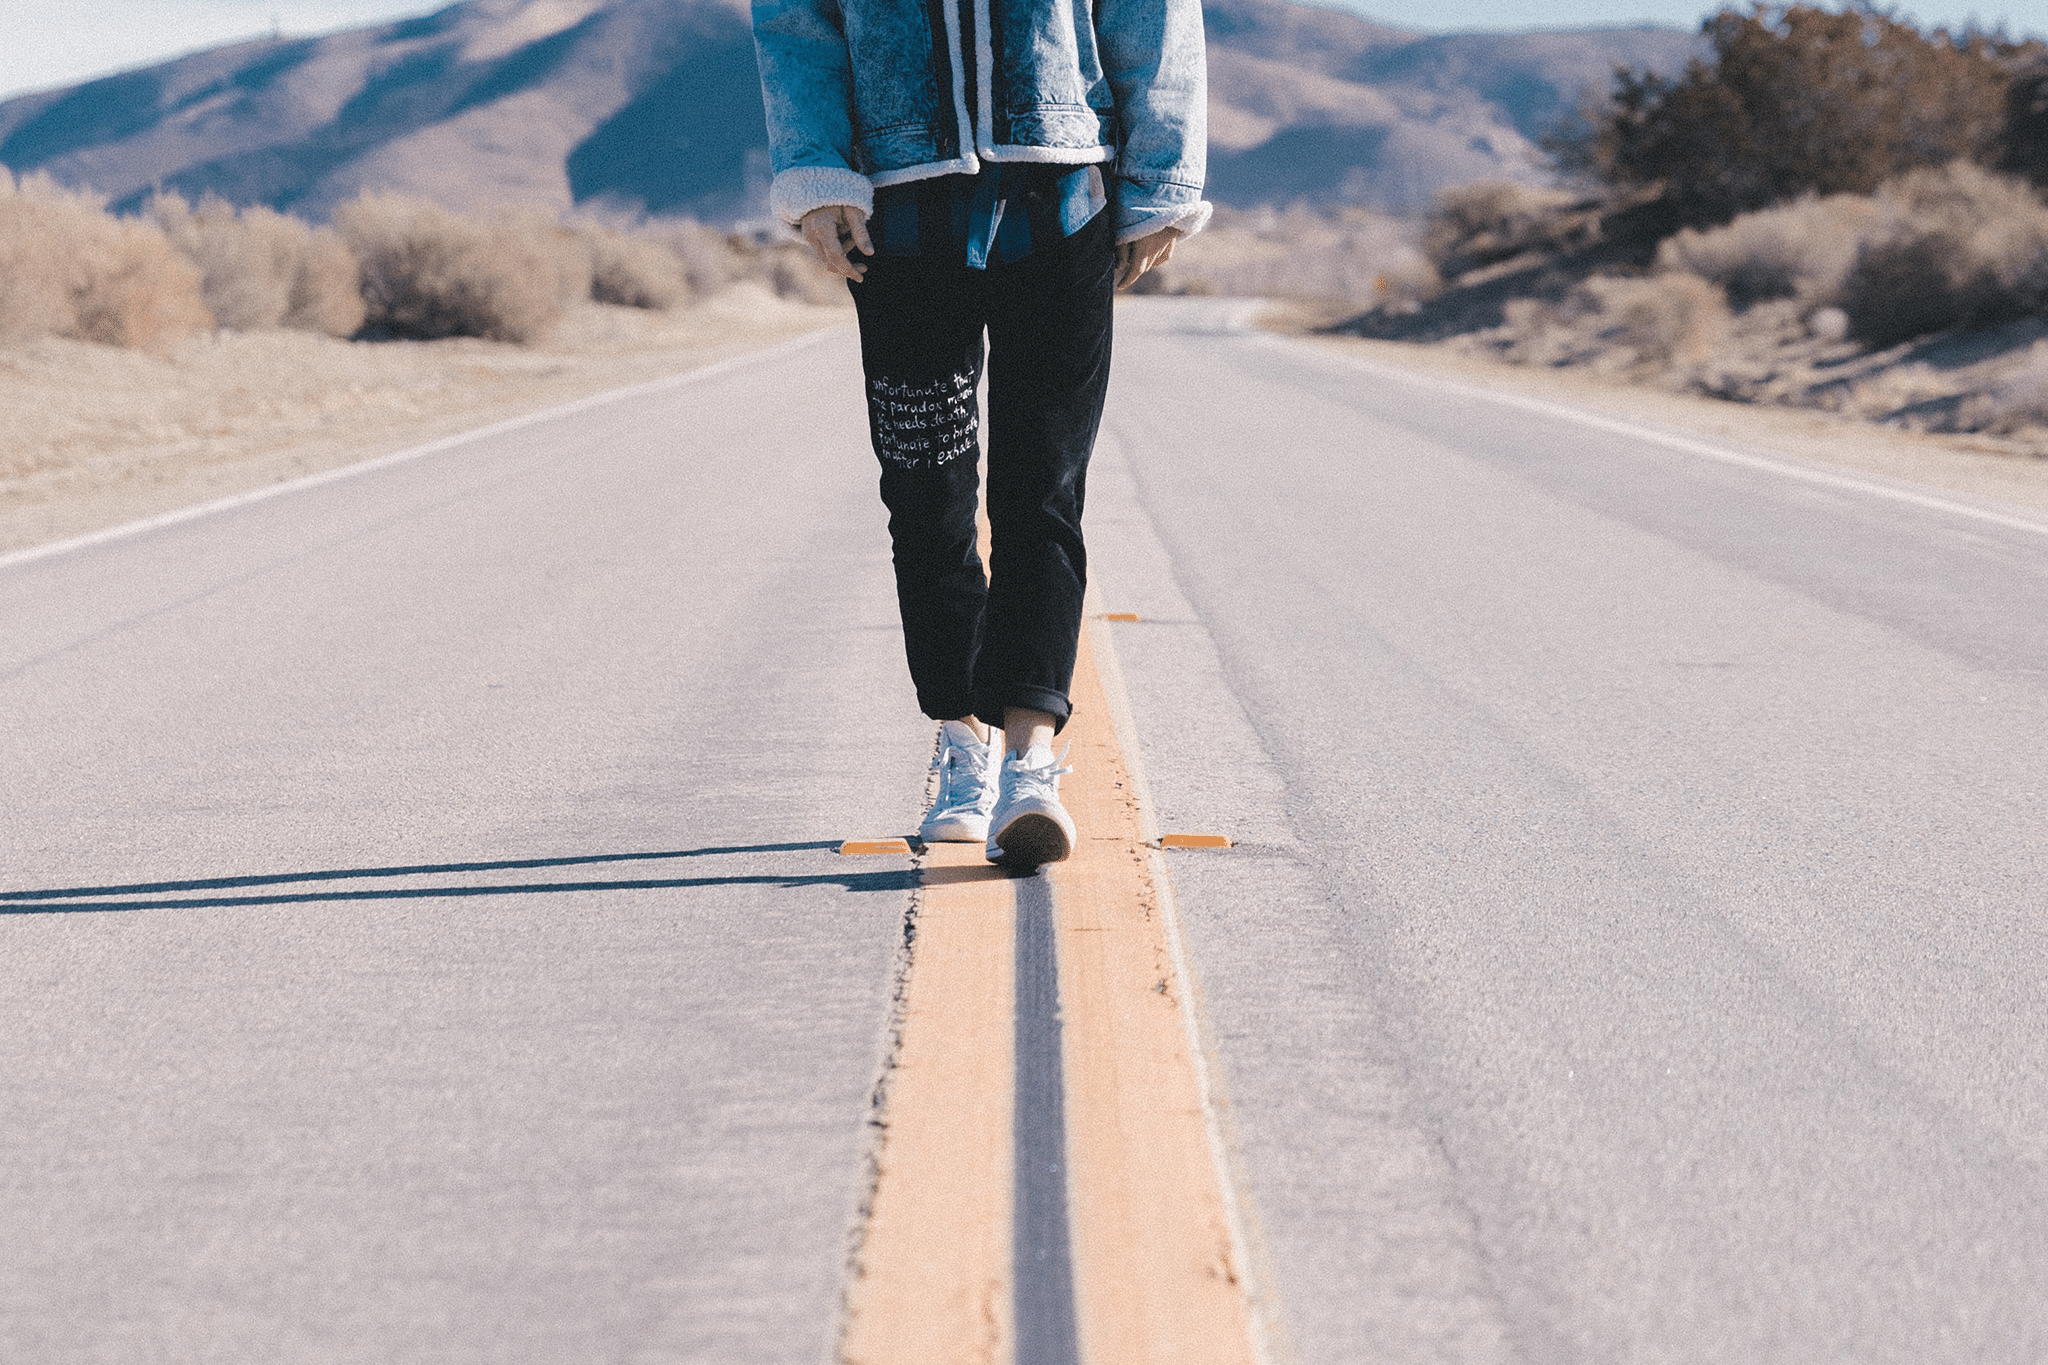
(1033, 841)
(956, 831)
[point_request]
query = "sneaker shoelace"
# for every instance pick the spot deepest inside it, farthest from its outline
(960, 779)
(1043, 780)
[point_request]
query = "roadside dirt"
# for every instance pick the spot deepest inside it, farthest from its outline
(92, 437)
(1987, 468)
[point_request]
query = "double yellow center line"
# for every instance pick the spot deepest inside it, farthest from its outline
(1049, 1184)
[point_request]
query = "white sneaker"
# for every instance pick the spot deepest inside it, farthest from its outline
(967, 787)
(1031, 827)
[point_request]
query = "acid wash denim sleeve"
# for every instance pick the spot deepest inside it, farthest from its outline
(807, 88)
(866, 93)
(1154, 56)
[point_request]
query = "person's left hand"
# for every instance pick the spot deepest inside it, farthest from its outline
(1133, 259)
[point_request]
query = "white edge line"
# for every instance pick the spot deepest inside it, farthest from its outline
(1690, 445)
(1109, 671)
(1256, 1300)
(349, 471)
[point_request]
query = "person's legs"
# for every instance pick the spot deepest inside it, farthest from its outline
(1049, 345)
(921, 348)
(1025, 729)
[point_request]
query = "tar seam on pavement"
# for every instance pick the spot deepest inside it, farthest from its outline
(1042, 1247)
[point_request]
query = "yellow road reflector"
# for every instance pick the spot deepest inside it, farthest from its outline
(1194, 841)
(868, 848)
(1121, 616)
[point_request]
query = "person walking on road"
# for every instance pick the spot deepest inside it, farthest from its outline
(994, 167)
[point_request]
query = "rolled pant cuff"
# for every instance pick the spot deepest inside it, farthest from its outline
(946, 708)
(1054, 704)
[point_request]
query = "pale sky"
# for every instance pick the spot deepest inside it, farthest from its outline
(57, 42)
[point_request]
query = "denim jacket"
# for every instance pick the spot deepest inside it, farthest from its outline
(862, 93)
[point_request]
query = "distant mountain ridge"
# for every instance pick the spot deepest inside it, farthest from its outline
(653, 105)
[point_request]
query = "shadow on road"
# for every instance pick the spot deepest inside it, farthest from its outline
(191, 894)
(957, 876)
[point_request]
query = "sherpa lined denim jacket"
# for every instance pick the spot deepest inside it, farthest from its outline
(862, 93)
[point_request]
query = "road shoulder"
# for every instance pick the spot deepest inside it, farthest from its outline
(97, 437)
(1981, 468)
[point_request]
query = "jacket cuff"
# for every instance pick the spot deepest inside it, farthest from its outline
(1134, 222)
(798, 190)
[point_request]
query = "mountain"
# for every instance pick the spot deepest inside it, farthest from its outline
(654, 105)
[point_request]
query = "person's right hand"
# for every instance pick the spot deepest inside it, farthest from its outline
(832, 232)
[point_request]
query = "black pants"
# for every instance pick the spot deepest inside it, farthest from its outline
(978, 645)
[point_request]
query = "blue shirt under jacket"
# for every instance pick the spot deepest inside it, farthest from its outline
(1000, 215)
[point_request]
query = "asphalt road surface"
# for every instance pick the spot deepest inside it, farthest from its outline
(421, 937)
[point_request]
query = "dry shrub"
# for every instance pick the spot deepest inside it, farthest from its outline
(1804, 249)
(710, 259)
(1954, 247)
(430, 273)
(633, 270)
(1354, 257)
(69, 268)
(1660, 320)
(37, 230)
(1959, 246)
(2017, 402)
(1662, 324)
(794, 273)
(1489, 221)
(259, 268)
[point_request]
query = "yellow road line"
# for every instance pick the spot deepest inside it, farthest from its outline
(1155, 1267)
(931, 1283)
(1156, 1273)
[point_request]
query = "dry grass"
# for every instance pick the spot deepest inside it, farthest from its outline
(95, 435)
(794, 274)
(429, 273)
(259, 268)
(1913, 306)
(2014, 403)
(1935, 249)
(1663, 327)
(402, 268)
(663, 263)
(1488, 222)
(712, 260)
(1351, 258)
(1674, 332)
(634, 270)
(194, 351)
(70, 269)
(1804, 249)
(1955, 247)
